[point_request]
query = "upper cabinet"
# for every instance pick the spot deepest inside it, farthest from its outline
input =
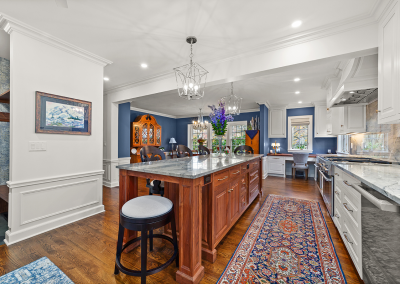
(277, 122)
(347, 119)
(321, 116)
(389, 65)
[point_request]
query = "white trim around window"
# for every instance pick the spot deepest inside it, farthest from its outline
(309, 119)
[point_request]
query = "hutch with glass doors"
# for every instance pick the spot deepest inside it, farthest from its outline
(145, 131)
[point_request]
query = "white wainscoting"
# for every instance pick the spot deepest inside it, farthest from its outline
(111, 173)
(264, 167)
(37, 206)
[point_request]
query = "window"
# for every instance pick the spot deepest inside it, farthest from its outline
(235, 136)
(300, 130)
(343, 144)
(375, 142)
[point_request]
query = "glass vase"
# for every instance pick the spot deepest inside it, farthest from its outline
(220, 137)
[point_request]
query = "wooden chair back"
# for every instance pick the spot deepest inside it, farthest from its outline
(183, 151)
(151, 153)
(243, 149)
(204, 150)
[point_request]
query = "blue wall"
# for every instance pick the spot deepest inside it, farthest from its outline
(124, 130)
(320, 145)
(264, 141)
(182, 124)
(168, 127)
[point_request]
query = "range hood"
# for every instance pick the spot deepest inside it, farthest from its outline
(358, 83)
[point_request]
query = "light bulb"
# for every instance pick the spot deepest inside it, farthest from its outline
(229, 107)
(234, 108)
(190, 85)
(196, 87)
(185, 87)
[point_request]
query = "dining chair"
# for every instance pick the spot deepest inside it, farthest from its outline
(300, 164)
(183, 151)
(151, 153)
(243, 149)
(204, 150)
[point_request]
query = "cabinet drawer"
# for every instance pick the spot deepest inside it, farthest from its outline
(254, 186)
(221, 177)
(338, 218)
(244, 167)
(234, 172)
(243, 200)
(254, 176)
(243, 183)
(254, 164)
(352, 240)
(351, 203)
(338, 193)
(276, 160)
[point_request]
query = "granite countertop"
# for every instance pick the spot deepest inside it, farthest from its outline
(190, 167)
(383, 178)
(359, 156)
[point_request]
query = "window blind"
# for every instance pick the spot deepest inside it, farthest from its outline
(300, 121)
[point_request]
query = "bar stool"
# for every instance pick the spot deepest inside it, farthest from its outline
(146, 213)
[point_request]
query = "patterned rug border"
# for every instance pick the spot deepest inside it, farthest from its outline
(258, 212)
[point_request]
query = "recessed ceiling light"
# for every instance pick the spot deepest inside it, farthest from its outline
(106, 79)
(143, 65)
(300, 102)
(296, 79)
(351, 92)
(296, 24)
(297, 92)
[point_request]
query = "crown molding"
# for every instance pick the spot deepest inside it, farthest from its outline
(153, 112)
(319, 103)
(362, 20)
(11, 25)
(303, 105)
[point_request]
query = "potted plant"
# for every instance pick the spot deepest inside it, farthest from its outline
(219, 122)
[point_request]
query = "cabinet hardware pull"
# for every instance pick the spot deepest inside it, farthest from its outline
(345, 206)
(337, 192)
(223, 178)
(344, 233)
(337, 216)
(346, 183)
(336, 174)
(378, 111)
(230, 190)
(236, 173)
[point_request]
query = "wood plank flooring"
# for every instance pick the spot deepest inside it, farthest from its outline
(85, 250)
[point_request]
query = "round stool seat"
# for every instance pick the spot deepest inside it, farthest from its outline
(147, 206)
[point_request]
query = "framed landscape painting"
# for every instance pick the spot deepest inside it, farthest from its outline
(62, 115)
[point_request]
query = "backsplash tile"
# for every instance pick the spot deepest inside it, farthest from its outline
(381, 140)
(4, 126)
(4, 75)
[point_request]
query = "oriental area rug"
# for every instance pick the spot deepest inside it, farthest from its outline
(288, 242)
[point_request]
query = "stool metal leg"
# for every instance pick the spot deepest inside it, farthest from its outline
(174, 237)
(143, 244)
(151, 239)
(119, 246)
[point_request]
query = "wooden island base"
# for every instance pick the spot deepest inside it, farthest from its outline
(205, 210)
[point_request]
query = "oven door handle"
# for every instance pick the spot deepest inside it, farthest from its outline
(381, 204)
(324, 176)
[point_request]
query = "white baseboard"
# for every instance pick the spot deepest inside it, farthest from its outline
(111, 173)
(37, 206)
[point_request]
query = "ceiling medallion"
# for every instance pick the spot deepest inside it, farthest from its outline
(191, 78)
(200, 124)
(232, 103)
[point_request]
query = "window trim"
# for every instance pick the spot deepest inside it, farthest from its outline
(340, 149)
(310, 134)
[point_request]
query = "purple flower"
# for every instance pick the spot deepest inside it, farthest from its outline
(219, 119)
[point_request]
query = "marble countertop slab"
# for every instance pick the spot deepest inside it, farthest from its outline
(383, 178)
(190, 167)
(377, 158)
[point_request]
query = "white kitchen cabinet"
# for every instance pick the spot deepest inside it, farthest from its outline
(277, 123)
(348, 119)
(389, 66)
(321, 117)
(276, 165)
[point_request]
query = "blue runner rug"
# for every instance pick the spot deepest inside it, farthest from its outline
(41, 271)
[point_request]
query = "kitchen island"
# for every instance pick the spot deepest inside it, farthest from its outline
(209, 193)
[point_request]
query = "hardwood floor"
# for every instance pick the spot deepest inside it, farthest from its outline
(85, 250)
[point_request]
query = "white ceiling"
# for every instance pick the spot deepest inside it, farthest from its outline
(276, 89)
(131, 32)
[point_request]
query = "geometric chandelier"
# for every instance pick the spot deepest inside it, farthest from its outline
(232, 103)
(200, 124)
(191, 78)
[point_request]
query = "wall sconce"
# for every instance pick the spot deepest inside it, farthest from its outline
(275, 146)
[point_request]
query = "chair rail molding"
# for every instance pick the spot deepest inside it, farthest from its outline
(111, 173)
(35, 206)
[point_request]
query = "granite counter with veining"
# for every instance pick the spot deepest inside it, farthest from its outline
(190, 167)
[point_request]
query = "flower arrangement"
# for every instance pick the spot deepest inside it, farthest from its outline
(201, 141)
(219, 120)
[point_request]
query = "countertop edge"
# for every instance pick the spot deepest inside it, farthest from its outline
(373, 186)
(191, 177)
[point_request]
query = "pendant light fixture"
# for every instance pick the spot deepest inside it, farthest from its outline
(200, 124)
(232, 103)
(191, 78)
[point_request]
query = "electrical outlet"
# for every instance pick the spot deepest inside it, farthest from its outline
(37, 146)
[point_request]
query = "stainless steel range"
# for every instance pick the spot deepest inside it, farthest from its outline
(325, 171)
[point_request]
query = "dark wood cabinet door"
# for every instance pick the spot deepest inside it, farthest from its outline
(234, 199)
(221, 201)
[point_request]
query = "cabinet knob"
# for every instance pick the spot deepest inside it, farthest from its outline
(378, 111)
